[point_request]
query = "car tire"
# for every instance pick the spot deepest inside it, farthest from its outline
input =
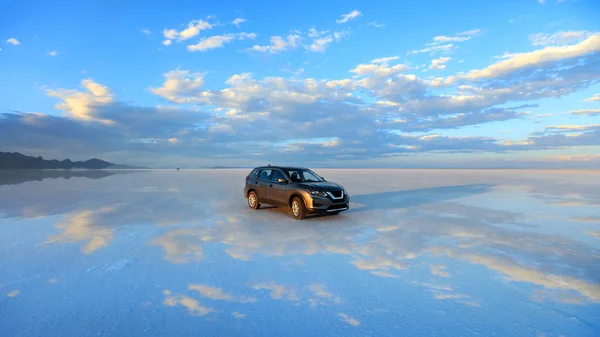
(298, 209)
(253, 200)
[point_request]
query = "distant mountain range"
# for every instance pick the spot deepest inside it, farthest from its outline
(15, 160)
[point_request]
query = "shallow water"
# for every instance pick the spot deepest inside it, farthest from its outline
(420, 252)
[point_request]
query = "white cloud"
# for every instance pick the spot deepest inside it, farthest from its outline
(384, 59)
(279, 44)
(349, 16)
(146, 31)
(439, 63)
(179, 83)
(53, 53)
(542, 1)
(238, 315)
(559, 38)
(218, 41)
(238, 21)
(166, 42)
(514, 62)
(193, 28)
(13, 41)
(319, 41)
(443, 47)
(458, 37)
(79, 104)
(594, 98)
(375, 24)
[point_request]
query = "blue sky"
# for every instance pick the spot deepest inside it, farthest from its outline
(391, 84)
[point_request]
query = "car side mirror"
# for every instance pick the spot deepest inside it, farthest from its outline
(323, 179)
(282, 181)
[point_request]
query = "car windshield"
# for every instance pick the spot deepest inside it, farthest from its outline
(303, 175)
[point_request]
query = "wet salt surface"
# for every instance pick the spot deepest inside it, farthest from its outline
(421, 252)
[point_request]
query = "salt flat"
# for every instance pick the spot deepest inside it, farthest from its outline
(420, 252)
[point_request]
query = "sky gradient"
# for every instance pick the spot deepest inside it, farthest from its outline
(339, 84)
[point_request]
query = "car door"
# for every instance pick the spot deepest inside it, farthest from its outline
(262, 185)
(277, 191)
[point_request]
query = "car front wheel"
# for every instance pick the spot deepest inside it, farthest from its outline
(298, 209)
(253, 200)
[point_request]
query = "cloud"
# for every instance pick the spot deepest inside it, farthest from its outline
(218, 41)
(559, 38)
(439, 63)
(541, 2)
(13, 41)
(278, 44)
(193, 28)
(166, 43)
(53, 53)
(585, 112)
(458, 37)
(146, 31)
(238, 315)
(349, 16)
(376, 24)
(79, 104)
(537, 58)
(349, 319)
(442, 42)
(594, 98)
(238, 21)
(179, 83)
(435, 48)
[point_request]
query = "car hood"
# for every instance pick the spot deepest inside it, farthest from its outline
(321, 186)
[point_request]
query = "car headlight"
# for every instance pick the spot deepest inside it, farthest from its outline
(317, 193)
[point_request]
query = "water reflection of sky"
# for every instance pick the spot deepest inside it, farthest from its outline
(420, 252)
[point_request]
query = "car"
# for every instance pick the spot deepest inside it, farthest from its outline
(297, 188)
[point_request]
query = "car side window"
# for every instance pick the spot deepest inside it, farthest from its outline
(265, 175)
(277, 175)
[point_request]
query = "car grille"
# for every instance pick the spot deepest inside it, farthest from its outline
(336, 194)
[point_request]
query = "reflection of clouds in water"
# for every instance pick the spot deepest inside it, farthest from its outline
(406, 216)
(238, 315)
(193, 306)
(181, 245)
(516, 272)
(13, 293)
(323, 296)
(349, 320)
(80, 227)
(215, 293)
(278, 291)
(387, 252)
(594, 233)
(446, 292)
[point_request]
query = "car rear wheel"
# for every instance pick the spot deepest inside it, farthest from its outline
(253, 200)
(298, 209)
